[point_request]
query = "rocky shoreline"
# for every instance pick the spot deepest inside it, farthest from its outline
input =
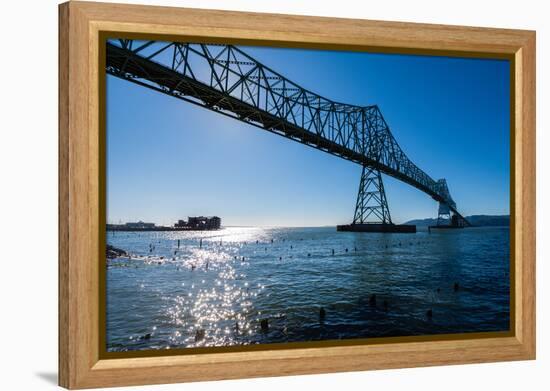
(114, 252)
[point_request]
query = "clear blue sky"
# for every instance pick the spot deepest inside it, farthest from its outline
(168, 159)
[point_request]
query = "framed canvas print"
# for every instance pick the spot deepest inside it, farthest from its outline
(248, 195)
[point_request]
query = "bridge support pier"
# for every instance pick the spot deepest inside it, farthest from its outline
(446, 219)
(372, 205)
(371, 209)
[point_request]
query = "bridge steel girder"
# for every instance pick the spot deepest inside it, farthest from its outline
(371, 206)
(225, 79)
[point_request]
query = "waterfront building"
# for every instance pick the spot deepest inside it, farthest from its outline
(200, 223)
(140, 225)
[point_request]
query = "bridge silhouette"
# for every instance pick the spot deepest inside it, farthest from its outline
(225, 79)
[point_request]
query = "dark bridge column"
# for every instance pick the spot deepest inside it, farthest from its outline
(371, 206)
(446, 219)
(371, 210)
(444, 215)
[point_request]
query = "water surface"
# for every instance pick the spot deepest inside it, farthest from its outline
(165, 296)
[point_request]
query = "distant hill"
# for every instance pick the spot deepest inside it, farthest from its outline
(475, 220)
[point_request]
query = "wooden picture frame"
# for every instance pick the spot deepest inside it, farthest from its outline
(81, 27)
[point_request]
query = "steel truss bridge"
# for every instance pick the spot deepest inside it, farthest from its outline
(223, 78)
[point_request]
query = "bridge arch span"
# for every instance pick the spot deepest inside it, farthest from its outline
(225, 79)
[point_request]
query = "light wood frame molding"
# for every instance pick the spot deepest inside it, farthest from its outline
(80, 167)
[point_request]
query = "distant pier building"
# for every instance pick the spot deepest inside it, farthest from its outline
(200, 223)
(140, 225)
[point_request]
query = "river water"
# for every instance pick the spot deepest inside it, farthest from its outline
(217, 293)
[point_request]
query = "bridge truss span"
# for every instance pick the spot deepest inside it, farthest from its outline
(225, 79)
